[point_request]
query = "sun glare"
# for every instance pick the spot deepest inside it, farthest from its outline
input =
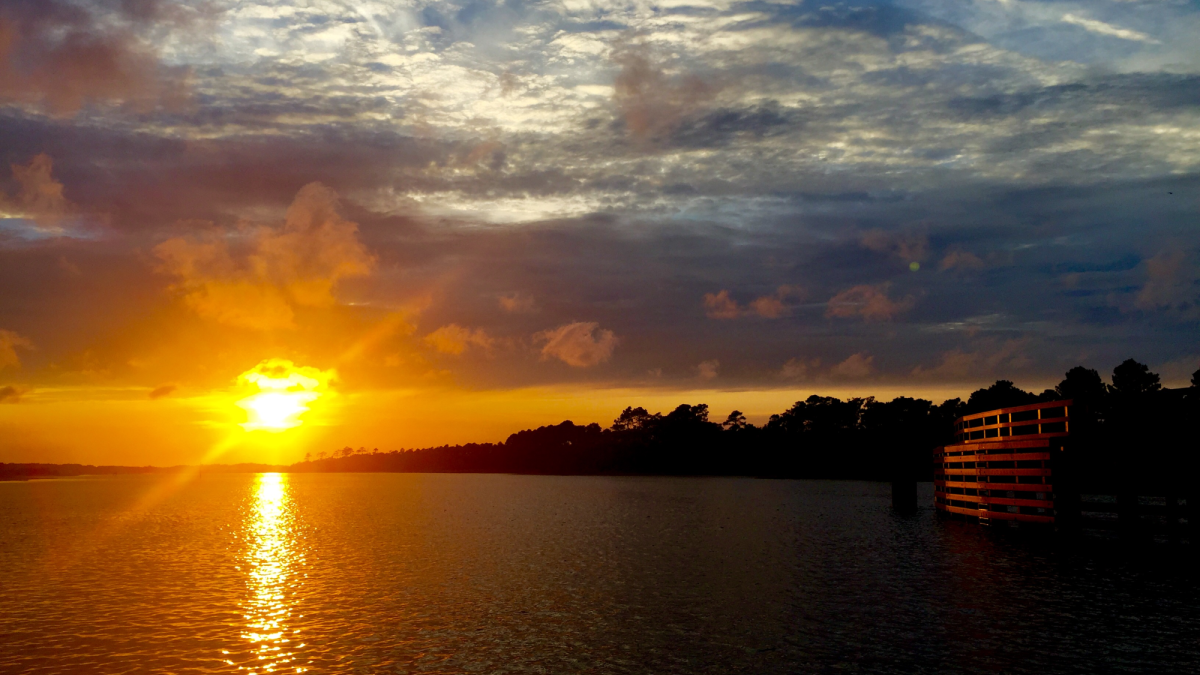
(284, 392)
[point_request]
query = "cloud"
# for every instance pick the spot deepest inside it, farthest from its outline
(721, 306)
(707, 370)
(10, 394)
(963, 261)
(989, 359)
(1101, 28)
(298, 264)
(908, 246)
(61, 55)
(775, 306)
(651, 103)
(454, 339)
(856, 367)
(164, 390)
(9, 343)
(869, 302)
(1170, 283)
(39, 196)
(516, 303)
(578, 344)
(798, 369)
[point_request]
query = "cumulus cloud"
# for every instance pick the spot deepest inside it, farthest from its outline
(798, 369)
(651, 103)
(708, 370)
(61, 55)
(164, 390)
(775, 306)
(39, 196)
(516, 303)
(963, 261)
(580, 344)
(9, 343)
(1170, 283)
(908, 246)
(871, 303)
(454, 339)
(298, 264)
(856, 367)
(721, 306)
(988, 359)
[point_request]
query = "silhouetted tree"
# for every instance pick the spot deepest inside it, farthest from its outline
(1002, 394)
(1083, 385)
(1133, 380)
(735, 422)
(634, 418)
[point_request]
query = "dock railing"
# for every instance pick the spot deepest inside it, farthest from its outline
(1000, 465)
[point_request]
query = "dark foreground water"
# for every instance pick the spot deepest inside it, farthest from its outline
(398, 573)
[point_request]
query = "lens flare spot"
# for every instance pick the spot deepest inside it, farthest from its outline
(283, 394)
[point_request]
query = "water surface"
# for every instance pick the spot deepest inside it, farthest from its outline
(400, 573)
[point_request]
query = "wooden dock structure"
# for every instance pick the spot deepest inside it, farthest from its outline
(1001, 465)
(1030, 464)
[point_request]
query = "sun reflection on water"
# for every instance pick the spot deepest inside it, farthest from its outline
(272, 559)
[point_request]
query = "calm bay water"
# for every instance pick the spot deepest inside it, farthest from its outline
(383, 573)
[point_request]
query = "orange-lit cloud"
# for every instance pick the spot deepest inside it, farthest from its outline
(9, 343)
(39, 196)
(61, 55)
(10, 394)
(907, 246)
(708, 370)
(1169, 282)
(580, 344)
(297, 264)
(721, 306)
(516, 303)
(990, 358)
(454, 339)
(798, 369)
(164, 390)
(960, 260)
(857, 366)
(650, 102)
(871, 303)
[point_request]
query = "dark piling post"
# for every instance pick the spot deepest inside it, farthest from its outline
(1172, 511)
(904, 496)
(1128, 518)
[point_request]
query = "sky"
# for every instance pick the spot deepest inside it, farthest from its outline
(246, 231)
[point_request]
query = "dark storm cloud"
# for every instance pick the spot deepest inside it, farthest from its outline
(605, 169)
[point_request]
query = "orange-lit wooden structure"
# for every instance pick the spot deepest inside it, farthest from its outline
(1000, 467)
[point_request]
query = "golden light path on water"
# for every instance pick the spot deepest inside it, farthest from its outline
(272, 562)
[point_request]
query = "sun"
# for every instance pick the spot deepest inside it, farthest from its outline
(285, 391)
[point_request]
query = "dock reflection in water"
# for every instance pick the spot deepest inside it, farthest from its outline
(272, 562)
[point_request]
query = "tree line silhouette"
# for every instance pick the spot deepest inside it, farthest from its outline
(1129, 429)
(819, 437)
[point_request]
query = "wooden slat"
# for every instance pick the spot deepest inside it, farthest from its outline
(1005, 444)
(1013, 472)
(958, 509)
(1026, 517)
(1017, 487)
(1068, 403)
(1009, 501)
